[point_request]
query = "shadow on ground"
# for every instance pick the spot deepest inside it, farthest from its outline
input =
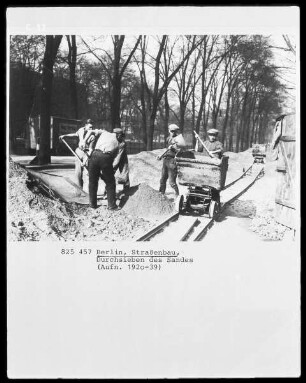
(238, 209)
(130, 193)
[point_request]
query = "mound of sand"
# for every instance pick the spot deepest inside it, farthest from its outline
(33, 216)
(148, 203)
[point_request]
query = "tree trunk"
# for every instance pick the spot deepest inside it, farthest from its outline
(231, 128)
(52, 44)
(252, 140)
(72, 54)
(150, 131)
(223, 134)
(182, 116)
(193, 117)
(115, 102)
(167, 113)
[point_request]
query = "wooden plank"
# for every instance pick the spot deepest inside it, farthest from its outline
(286, 216)
(285, 203)
(289, 125)
(288, 138)
(286, 172)
(281, 169)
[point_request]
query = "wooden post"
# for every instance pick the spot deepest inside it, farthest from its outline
(285, 204)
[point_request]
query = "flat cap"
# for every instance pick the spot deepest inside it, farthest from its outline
(212, 132)
(173, 127)
(117, 130)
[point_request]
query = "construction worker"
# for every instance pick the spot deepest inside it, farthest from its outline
(101, 161)
(214, 147)
(81, 153)
(175, 143)
(121, 162)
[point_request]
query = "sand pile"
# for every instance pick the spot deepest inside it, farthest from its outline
(145, 168)
(33, 216)
(266, 227)
(102, 224)
(148, 203)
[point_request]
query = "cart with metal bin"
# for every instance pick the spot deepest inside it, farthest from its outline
(259, 153)
(205, 178)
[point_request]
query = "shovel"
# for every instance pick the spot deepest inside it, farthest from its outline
(75, 154)
(79, 159)
(204, 146)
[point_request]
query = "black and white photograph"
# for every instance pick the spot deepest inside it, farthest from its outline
(160, 161)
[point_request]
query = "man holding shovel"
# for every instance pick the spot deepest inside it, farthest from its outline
(101, 161)
(175, 143)
(81, 150)
(211, 147)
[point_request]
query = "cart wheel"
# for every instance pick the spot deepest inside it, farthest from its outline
(213, 209)
(179, 203)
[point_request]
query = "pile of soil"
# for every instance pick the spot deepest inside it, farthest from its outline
(241, 209)
(33, 216)
(261, 200)
(146, 168)
(148, 203)
(102, 224)
(266, 227)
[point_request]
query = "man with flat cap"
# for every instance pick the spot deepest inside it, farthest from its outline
(82, 153)
(175, 143)
(101, 161)
(121, 162)
(213, 146)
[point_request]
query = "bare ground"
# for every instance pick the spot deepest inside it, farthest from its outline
(33, 216)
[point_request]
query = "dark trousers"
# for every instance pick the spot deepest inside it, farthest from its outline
(101, 162)
(169, 170)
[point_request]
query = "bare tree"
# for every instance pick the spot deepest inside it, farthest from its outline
(115, 72)
(52, 45)
(161, 83)
(185, 80)
(210, 62)
(72, 59)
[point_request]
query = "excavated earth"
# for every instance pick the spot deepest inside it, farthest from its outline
(33, 215)
(255, 207)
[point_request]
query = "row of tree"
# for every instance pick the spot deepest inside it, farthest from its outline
(143, 83)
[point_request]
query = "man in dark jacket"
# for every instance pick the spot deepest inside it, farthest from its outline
(175, 143)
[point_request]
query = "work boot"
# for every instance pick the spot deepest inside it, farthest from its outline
(114, 208)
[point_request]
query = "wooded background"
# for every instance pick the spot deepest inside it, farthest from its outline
(142, 83)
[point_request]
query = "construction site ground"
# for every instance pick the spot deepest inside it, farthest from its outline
(33, 215)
